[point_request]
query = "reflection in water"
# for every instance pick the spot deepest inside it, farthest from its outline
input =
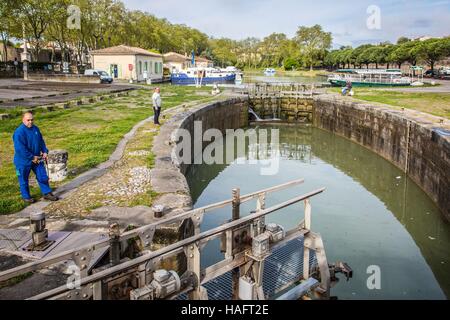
(370, 213)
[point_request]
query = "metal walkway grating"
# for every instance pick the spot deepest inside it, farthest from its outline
(283, 267)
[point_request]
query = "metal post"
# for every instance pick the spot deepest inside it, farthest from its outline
(114, 244)
(235, 216)
(25, 54)
(307, 214)
(260, 205)
(193, 260)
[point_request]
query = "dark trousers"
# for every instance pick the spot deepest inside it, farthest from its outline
(157, 111)
(23, 174)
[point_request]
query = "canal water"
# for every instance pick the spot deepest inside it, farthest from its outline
(369, 215)
(281, 77)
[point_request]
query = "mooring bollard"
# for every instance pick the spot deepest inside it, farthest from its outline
(57, 165)
(158, 210)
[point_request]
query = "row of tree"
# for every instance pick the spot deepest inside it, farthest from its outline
(405, 51)
(106, 23)
(310, 48)
(102, 23)
(307, 49)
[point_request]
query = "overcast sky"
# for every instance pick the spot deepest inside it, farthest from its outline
(346, 19)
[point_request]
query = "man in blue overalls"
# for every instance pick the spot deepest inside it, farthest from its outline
(30, 152)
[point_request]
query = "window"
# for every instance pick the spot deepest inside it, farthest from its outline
(146, 66)
(140, 67)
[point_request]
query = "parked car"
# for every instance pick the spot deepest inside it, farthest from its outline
(104, 76)
(431, 73)
(444, 71)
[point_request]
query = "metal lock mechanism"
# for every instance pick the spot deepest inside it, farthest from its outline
(39, 235)
(260, 245)
(37, 227)
(276, 232)
(163, 285)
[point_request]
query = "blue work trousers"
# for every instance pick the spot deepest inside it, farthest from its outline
(23, 174)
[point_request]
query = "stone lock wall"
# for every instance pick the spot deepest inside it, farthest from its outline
(229, 114)
(408, 140)
(290, 108)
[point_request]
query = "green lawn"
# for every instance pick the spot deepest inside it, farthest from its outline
(89, 133)
(437, 104)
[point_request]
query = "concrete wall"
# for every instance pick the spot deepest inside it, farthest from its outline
(405, 138)
(168, 174)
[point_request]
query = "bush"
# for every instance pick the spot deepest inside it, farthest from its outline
(290, 64)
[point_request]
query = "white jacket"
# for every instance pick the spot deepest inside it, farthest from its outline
(156, 98)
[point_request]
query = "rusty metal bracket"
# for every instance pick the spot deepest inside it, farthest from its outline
(84, 293)
(82, 259)
(146, 236)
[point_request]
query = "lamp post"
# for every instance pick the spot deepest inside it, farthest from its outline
(25, 56)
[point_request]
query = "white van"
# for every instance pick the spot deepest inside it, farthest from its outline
(104, 76)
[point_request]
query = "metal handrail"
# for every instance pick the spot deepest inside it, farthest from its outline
(196, 239)
(67, 255)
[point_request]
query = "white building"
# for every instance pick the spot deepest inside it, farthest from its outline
(124, 62)
(176, 62)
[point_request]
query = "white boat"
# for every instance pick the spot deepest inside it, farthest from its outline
(239, 74)
(369, 78)
(200, 76)
(269, 72)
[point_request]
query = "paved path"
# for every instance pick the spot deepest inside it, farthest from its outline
(15, 92)
(444, 87)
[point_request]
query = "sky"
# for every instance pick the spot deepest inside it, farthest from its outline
(351, 22)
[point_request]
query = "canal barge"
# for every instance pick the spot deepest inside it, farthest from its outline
(369, 78)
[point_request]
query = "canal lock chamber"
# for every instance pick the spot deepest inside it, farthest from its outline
(373, 211)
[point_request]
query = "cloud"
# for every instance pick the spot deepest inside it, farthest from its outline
(346, 19)
(421, 23)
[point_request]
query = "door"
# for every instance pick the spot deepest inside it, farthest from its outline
(114, 71)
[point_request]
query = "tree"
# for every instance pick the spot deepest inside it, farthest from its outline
(402, 40)
(433, 50)
(272, 50)
(358, 57)
(397, 56)
(386, 52)
(7, 24)
(314, 43)
(376, 55)
(223, 51)
(37, 15)
(290, 64)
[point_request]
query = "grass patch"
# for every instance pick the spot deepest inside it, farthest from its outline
(437, 104)
(90, 133)
(13, 281)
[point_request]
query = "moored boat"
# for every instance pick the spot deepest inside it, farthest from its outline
(369, 78)
(201, 76)
(269, 72)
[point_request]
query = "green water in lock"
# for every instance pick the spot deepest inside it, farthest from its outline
(369, 214)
